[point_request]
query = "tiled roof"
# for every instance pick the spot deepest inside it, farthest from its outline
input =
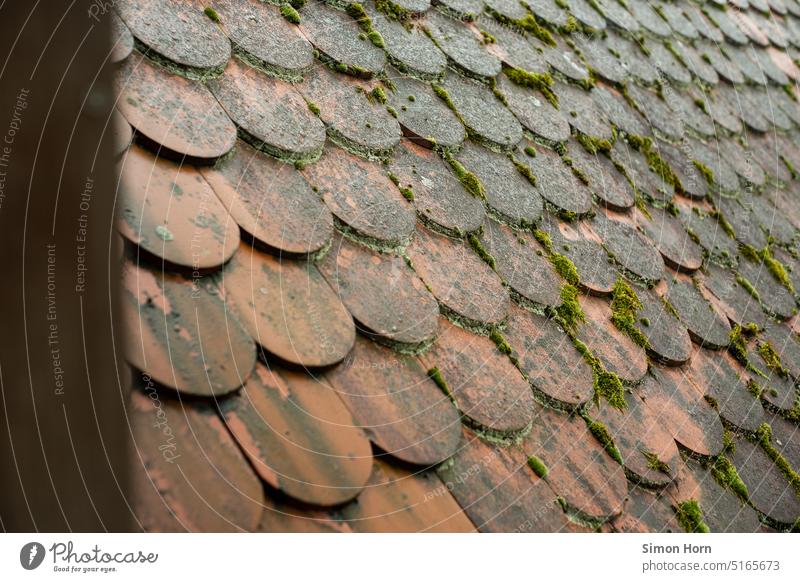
(463, 264)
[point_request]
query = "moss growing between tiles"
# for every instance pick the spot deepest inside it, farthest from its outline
(530, 151)
(537, 466)
(771, 358)
(645, 146)
(314, 108)
(593, 145)
(392, 10)
(764, 437)
(541, 82)
(607, 385)
(706, 171)
(543, 238)
(488, 37)
(570, 312)
(774, 266)
(726, 475)
(357, 12)
(748, 286)
(624, 306)
(737, 342)
(528, 24)
(723, 223)
(379, 95)
(406, 191)
(655, 463)
(290, 14)
(391, 111)
(436, 375)
(481, 251)
(690, 517)
(566, 268)
(470, 181)
(502, 345)
(524, 170)
(211, 13)
(600, 432)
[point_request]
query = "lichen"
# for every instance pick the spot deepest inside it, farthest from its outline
(528, 23)
(542, 82)
(600, 432)
(726, 475)
(393, 11)
(654, 463)
(211, 13)
(690, 517)
(570, 312)
(481, 251)
(537, 466)
(624, 306)
(290, 14)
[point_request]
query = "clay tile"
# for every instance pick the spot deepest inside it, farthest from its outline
(585, 13)
(703, 25)
(610, 186)
(400, 408)
(657, 112)
(467, 10)
(619, 112)
(553, 365)
(263, 38)
(646, 512)
(271, 202)
(487, 388)
(671, 239)
(460, 43)
(121, 38)
(299, 437)
(362, 198)
(337, 38)
(288, 308)
(386, 298)
(170, 211)
(513, 49)
(534, 111)
(630, 249)
(467, 289)
(670, 66)
(582, 113)
(647, 15)
(617, 16)
(601, 61)
(409, 49)
(178, 34)
(557, 183)
(677, 20)
(566, 63)
(651, 184)
(726, 24)
(667, 336)
(776, 299)
(441, 201)
(709, 234)
(632, 58)
(784, 342)
(270, 114)
(595, 268)
(735, 300)
(187, 472)
(728, 69)
(706, 324)
(172, 328)
(175, 116)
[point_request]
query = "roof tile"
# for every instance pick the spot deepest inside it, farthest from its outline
(557, 184)
(737, 303)
(629, 248)
(610, 187)
(595, 268)
(668, 235)
(121, 38)
(408, 49)
(668, 338)
(705, 324)
(646, 512)
(534, 111)
(460, 43)
(600, 60)
(582, 113)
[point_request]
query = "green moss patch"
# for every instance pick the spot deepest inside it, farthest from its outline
(543, 238)
(748, 286)
(481, 251)
(470, 181)
(593, 145)
(357, 12)
(293, 16)
(211, 13)
(764, 437)
(706, 171)
(624, 306)
(436, 375)
(570, 312)
(726, 475)
(654, 160)
(542, 82)
(600, 432)
(314, 108)
(655, 463)
(771, 358)
(690, 517)
(538, 466)
(566, 268)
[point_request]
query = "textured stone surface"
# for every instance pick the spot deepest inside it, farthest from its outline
(557, 184)
(704, 322)
(629, 248)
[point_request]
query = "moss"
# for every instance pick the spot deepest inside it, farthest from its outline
(391, 111)
(488, 37)
(290, 14)
(211, 13)
(481, 251)
(655, 463)
(737, 344)
(436, 375)
(748, 286)
(375, 38)
(299, 165)
(566, 268)
(571, 25)
(706, 171)
(538, 466)
(542, 82)
(593, 145)
(392, 10)
(607, 385)
(406, 191)
(525, 170)
(357, 12)
(314, 108)
(655, 161)
(624, 306)
(502, 345)
(726, 475)
(570, 311)
(690, 517)
(297, 3)
(777, 269)
(644, 321)
(528, 24)
(543, 238)
(764, 437)
(379, 95)
(530, 151)
(771, 358)
(724, 224)
(600, 432)
(470, 181)
(341, 67)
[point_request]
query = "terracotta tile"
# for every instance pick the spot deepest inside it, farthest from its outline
(600, 60)
(668, 337)
(710, 235)
(120, 131)
(636, 167)
(440, 200)
(121, 38)
(460, 43)
(785, 438)
(509, 195)
(778, 392)
(263, 38)
(397, 501)
(172, 332)
(487, 388)
(483, 114)
(646, 512)
(596, 269)
(336, 36)
(724, 111)
(702, 70)
(707, 326)
(352, 121)
(616, 351)
(728, 27)
(695, 119)
(270, 114)
(679, 407)
(521, 262)
(704, 26)
(764, 150)
(770, 492)
(650, 20)
(579, 470)
(556, 182)
(749, 68)
(670, 238)
(553, 366)
(410, 50)
(172, 113)
(638, 434)
(737, 303)
(462, 9)
(630, 249)
(362, 198)
(281, 516)
(299, 437)
(718, 376)
(610, 187)
(385, 297)
(467, 288)
(581, 111)
(187, 472)
(633, 59)
(500, 493)
(742, 163)
(398, 406)
(775, 298)
(423, 117)
(271, 202)
(288, 308)
(178, 32)
(692, 183)
(770, 219)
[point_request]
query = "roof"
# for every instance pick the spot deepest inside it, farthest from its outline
(477, 265)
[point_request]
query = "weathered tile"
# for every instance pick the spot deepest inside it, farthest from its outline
(408, 49)
(582, 113)
(709, 233)
(299, 437)
(670, 238)
(172, 330)
(728, 27)
(565, 62)
(703, 25)
(514, 50)
(262, 37)
(485, 117)
(460, 43)
(336, 37)
(706, 325)
(536, 113)
(710, 157)
(646, 512)
(610, 187)
(549, 11)
(288, 308)
(634, 61)
(618, 112)
(737, 303)
(600, 60)
(177, 34)
(643, 178)
(270, 114)
(174, 115)
(677, 20)
(646, 15)
(187, 474)
(727, 69)
(657, 112)
(509, 195)
(695, 63)
(692, 183)
(766, 153)
(441, 201)
(770, 219)
(546, 355)
(462, 9)
(665, 61)
(583, 11)
(385, 297)
(557, 184)
(629, 248)
(169, 211)
(271, 202)
(595, 268)
(742, 163)
(423, 117)
(398, 406)
(467, 289)
(668, 338)
(485, 385)
(774, 297)
(615, 350)
(777, 391)
(617, 16)
(786, 345)
(362, 198)
(121, 38)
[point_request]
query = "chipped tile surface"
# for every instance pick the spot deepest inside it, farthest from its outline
(380, 266)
